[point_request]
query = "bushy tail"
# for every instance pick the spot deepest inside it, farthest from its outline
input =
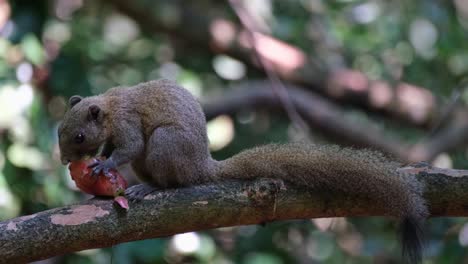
(412, 221)
(411, 240)
(357, 173)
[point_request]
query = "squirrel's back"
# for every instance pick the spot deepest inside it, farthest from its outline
(159, 103)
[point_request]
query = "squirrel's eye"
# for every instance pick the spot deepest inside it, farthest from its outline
(79, 138)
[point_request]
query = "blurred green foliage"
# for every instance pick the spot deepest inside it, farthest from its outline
(50, 50)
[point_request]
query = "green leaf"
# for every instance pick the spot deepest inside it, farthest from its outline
(33, 49)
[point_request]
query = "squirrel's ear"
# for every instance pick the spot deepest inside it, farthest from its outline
(74, 100)
(93, 112)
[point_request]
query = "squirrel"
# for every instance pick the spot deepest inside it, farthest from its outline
(160, 128)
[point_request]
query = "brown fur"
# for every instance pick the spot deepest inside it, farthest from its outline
(160, 128)
(339, 170)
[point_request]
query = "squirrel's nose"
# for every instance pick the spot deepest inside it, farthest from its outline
(65, 161)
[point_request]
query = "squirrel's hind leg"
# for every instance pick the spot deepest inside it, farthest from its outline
(173, 157)
(137, 193)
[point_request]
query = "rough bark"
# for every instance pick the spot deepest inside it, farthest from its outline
(99, 223)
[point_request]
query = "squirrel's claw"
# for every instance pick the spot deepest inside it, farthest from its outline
(102, 166)
(96, 170)
(137, 193)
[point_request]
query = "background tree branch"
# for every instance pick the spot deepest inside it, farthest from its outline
(329, 119)
(450, 138)
(404, 101)
(318, 112)
(99, 223)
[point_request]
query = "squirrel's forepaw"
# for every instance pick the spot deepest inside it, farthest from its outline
(102, 166)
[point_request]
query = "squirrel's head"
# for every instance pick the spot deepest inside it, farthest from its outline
(83, 129)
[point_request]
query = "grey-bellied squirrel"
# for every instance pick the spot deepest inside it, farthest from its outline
(160, 128)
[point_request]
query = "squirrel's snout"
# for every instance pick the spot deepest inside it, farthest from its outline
(65, 161)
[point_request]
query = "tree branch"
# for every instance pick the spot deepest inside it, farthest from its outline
(453, 136)
(318, 112)
(99, 223)
(328, 118)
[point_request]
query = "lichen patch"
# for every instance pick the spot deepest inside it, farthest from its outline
(79, 215)
(26, 217)
(154, 196)
(200, 203)
(150, 197)
(12, 226)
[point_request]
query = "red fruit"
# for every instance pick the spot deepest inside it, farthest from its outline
(101, 185)
(81, 174)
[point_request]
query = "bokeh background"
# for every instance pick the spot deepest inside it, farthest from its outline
(393, 68)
